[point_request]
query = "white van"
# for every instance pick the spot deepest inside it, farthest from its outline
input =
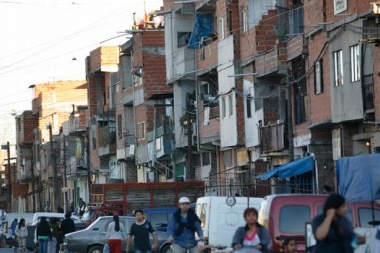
(49, 215)
(9, 219)
(221, 216)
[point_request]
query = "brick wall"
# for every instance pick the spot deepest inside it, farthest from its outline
(320, 104)
(271, 61)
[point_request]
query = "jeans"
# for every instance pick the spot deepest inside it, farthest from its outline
(43, 245)
(178, 249)
(52, 245)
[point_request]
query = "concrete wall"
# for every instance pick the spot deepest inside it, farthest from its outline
(178, 60)
(346, 100)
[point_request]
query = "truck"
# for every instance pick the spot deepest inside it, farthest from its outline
(220, 217)
(132, 196)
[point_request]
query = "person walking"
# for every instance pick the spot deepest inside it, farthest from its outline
(52, 244)
(115, 234)
(253, 235)
(182, 227)
(140, 233)
(21, 233)
(67, 226)
(13, 227)
(43, 234)
(332, 230)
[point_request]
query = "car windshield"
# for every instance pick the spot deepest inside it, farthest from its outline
(89, 214)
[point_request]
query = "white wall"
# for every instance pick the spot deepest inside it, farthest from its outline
(178, 60)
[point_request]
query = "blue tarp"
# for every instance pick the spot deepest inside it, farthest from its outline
(203, 27)
(359, 177)
(291, 169)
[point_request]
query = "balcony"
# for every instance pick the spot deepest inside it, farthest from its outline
(272, 63)
(36, 105)
(163, 142)
(104, 59)
(77, 124)
(128, 151)
(107, 140)
(78, 168)
(272, 138)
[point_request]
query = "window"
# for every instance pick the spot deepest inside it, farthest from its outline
(230, 105)
(293, 218)
(141, 130)
(119, 126)
(355, 63)
(201, 212)
(93, 137)
(183, 39)
(227, 155)
(318, 77)
(229, 23)
(249, 106)
(244, 18)
(221, 28)
(205, 159)
(338, 68)
(366, 217)
(224, 113)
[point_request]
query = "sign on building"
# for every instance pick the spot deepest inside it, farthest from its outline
(340, 6)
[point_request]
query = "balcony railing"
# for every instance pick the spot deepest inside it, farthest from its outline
(272, 138)
(107, 135)
(77, 123)
(214, 112)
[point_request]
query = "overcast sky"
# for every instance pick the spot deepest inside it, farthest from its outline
(40, 38)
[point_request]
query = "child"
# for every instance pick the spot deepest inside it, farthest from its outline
(21, 233)
(290, 245)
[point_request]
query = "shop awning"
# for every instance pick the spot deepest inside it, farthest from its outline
(291, 169)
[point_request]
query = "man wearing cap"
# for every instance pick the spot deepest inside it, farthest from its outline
(182, 227)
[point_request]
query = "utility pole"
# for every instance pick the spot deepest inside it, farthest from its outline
(57, 201)
(65, 175)
(189, 125)
(9, 178)
(290, 114)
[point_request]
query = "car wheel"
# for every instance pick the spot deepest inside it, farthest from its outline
(96, 249)
(166, 249)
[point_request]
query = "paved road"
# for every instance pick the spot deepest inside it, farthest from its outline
(10, 250)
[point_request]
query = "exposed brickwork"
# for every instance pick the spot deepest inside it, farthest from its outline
(103, 58)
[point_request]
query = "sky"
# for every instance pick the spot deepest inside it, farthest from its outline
(40, 39)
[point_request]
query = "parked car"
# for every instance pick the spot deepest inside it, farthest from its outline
(92, 238)
(93, 212)
(286, 215)
(159, 217)
(30, 245)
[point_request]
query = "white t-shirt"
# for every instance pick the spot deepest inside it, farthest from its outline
(113, 234)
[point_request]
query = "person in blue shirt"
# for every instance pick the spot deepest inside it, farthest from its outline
(182, 227)
(332, 229)
(13, 227)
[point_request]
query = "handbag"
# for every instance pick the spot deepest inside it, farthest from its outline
(106, 248)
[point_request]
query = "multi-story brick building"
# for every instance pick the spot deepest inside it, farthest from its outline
(38, 131)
